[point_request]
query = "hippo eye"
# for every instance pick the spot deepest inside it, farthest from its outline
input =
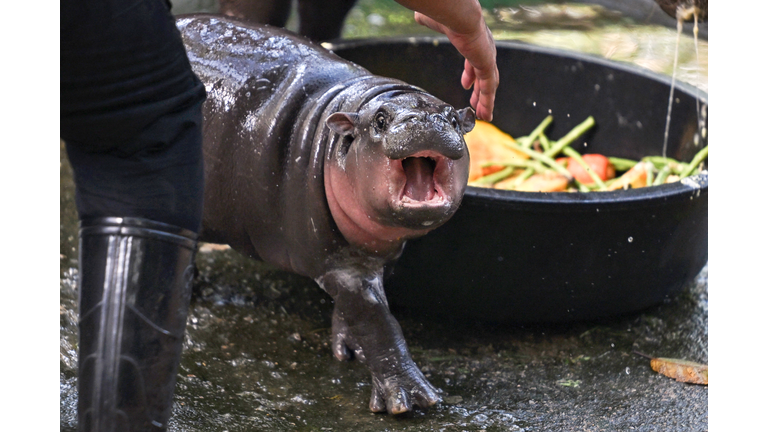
(380, 121)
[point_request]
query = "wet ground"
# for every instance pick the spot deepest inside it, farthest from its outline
(257, 354)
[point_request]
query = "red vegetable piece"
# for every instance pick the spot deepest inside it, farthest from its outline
(599, 165)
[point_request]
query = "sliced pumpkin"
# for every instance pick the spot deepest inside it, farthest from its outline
(486, 144)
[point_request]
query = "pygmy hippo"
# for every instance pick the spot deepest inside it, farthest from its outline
(321, 168)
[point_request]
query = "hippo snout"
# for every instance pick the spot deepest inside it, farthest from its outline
(438, 139)
(440, 132)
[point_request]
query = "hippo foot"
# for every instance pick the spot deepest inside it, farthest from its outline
(400, 393)
(398, 384)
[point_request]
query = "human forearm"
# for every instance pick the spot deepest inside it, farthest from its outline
(461, 16)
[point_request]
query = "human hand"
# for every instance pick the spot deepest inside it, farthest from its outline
(480, 68)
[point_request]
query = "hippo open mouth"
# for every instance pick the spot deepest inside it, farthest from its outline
(421, 184)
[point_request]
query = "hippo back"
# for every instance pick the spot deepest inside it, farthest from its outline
(252, 61)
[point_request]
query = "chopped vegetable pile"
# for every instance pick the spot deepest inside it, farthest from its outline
(534, 163)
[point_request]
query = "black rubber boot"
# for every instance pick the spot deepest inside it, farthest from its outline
(134, 288)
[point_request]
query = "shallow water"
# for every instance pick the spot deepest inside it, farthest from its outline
(257, 353)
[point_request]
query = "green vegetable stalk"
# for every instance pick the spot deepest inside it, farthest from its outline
(494, 177)
(527, 140)
(698, 159)
(648, 173)
(662, 176)
(541, 157)
(523, 177)
(545, 144)
(581, 186)
(660, 162)
(570, 137)
(522, 163)
(622, 164)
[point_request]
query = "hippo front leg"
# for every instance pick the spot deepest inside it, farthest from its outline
(364, 328)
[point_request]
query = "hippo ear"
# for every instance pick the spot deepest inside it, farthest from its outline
(343, 123)
(466, 119)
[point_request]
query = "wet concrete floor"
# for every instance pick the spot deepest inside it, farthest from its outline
(257, 357)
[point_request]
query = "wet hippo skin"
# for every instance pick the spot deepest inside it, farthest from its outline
(317, 166)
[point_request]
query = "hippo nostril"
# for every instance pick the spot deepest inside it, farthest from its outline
(437, 118)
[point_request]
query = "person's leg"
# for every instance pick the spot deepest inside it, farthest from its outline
(131, 120)
(274, 12)
(163, 181)
(323, 20)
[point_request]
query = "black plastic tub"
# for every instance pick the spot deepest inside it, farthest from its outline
(555, 257)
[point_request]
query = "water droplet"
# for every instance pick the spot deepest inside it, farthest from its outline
(630, 239)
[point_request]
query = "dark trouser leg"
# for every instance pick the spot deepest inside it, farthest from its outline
(163, 181)
(131, 119)
(323, 20)
(318, 20)
(273, 12)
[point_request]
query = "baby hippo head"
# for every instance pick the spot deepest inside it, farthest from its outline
(399, 169)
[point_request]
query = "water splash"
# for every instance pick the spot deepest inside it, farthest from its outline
(683, 13)
(672, 87)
